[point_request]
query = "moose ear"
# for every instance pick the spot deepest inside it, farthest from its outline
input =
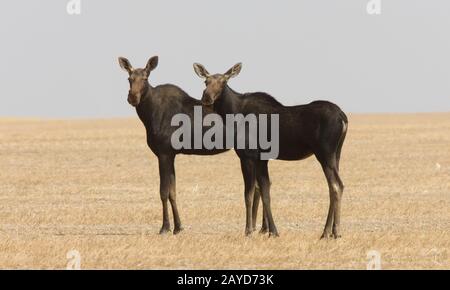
(125, 64)
(151, 64)
(201, 71)
(234, 71)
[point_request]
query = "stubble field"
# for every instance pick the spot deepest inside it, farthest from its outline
(92, 186)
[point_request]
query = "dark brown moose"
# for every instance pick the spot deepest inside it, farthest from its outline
(318, 128)
(155, 107)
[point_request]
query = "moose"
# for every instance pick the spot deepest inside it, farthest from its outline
(156, 107)
(318, 128)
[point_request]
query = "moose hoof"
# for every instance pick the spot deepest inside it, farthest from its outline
(336, 231)
(274, 235)
(178, 230)
(326, 236)
(164, 230)
(248, 233)
(263, 231)
(337, 236)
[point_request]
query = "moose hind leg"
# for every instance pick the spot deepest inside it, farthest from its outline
(328, 224)
(339, 189)
(329, 171)
(338, 185)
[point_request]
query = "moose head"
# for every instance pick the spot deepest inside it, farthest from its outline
(138, 79)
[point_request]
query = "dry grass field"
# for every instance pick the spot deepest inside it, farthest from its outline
(92, 185)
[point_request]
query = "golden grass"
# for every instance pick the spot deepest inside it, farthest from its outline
(93, 186)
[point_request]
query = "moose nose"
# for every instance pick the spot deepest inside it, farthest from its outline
(206, 99)
(133, 100)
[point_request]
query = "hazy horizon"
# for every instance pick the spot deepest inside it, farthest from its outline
(58, 65)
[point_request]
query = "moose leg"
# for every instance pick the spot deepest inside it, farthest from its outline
(256, 198)
(339, 184)
(329, 168)
(339, 187)
(248, 171)
(164, 189)
(262, 176)
(173, 199)
(265, 224)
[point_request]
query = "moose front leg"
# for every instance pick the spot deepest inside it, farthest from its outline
(256, 197)
(173, 201)
(248, 172)
(262, 176)
(165, 163)
(264, 225)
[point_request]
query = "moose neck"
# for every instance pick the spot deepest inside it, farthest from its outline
(228, 102)
(148, 93)
(145, 107)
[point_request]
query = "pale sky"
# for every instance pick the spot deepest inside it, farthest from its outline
(59, 65)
